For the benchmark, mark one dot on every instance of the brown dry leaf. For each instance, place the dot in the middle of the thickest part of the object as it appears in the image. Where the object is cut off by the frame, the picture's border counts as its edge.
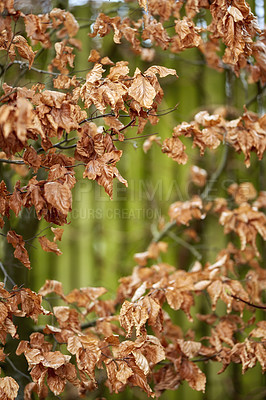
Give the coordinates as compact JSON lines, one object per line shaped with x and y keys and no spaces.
{"x":36,"y":27}
{"x":23,"y":48}
{"x":32,"y":158}
{"x":85,"y":296}
{"x":103,"y":169}
{"x":183,"y":212}
{"x":143,"y":4}
{"x":8,"y":388}
{"x":175,"y":149}
{"x":153,"y":252}
{"x":49,"y":246}
{"x":15,"y":200}
{"x":247,"y":222}
{"x":187,"y":35}
{"x":59,"y":17}
{"x":243,"y":192}
{"x":189,"y":348}
{"x":236,"y":26}
{"x":260,"y":201}
{"x":34,"y":387}
{"x":20,"y":252}
{"x":58,"y":196}
{"x":247,"y":134}
{"x":193,"y":375}
{"x":133,"y":315}
{"x":141,"y":90}
{"x":51,"y":286}
{"x":64,"y":57}
{"x":198,"y":175}
{"x":149,"y":141}
{"x":165,"y":378}
{"x":65,"y":82}
{"x":87,"y":357}
{"x":58,"y":232}
{"x":154,"y":31}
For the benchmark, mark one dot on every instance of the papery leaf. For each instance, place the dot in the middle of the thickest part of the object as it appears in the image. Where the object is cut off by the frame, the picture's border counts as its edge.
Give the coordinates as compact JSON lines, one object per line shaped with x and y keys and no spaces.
{"x":20,"y":252}
{"x":58,"y":196}
{"x":8,"y":388}
{"x":24,"y":50}
{"x":49,"y":246}
{"x":141,"y":90}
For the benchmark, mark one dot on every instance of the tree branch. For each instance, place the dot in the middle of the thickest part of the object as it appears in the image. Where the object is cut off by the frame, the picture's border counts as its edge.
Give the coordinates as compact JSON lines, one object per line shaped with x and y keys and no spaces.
{"x":17,"y":370}
{"x":6,"y":276}
{"x":216,"y":174}
{"x":185,"y":244}
{"x":247,"y":302}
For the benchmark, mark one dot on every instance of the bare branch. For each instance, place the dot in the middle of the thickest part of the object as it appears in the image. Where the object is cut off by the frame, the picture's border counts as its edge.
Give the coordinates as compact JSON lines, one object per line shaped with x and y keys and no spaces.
{"x":17,"y":370}
{"x":6,"y":276}
{"x":248,"y":303}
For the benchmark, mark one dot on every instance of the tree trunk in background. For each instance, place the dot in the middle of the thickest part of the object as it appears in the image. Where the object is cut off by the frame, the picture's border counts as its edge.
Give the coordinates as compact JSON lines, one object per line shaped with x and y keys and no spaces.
{"x":33,"y":6}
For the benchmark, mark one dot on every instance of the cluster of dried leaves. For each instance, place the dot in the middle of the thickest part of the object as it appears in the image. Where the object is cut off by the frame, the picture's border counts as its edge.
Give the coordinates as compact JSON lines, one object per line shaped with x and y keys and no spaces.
{"x":233,"y":25}
{"x":245,"y":134}
{"x":130,"y":340}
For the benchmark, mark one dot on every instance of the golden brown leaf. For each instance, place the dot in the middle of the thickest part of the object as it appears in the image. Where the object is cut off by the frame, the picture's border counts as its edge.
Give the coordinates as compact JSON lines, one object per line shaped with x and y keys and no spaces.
{"x":49,"y":246}
{"x":58,"y":196}
{"x":198,"y":175}
{"x":20,"y":252}
{"x":9,"y":387}
{"x":141,"y":90}
{"x":23,"y":48}
{"x":175,"y":149}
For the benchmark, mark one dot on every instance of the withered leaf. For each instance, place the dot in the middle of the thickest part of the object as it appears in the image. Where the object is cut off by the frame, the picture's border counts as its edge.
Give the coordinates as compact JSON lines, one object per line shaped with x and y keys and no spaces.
{"x":20,"y":252}
{"x":193,"y":375}
{"x":24,"y":50}
{"x":9,"y":387}
{"x":141,"y":90}
{"x":49,"y":246}
{"x":58,"y":196}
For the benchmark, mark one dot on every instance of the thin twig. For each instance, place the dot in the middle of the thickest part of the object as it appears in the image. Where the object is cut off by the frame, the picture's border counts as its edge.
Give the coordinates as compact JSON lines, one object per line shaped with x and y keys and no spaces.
{"x":17,"y":370}
{"x":8,"y":94}
{"x":183,"y":243}
{"x":216,"y":174}
{"x":25,"y":65}
{"x":135,"y":137}
{"x":7,"y":277}
{"x":248,"y":303}
{"x":127,"y":125}
{"x":206,"y":358}
{"x":165,"y":112}
{"x":4,"y":160}
{"x":110,"y":114}
{"x":164,"y":231}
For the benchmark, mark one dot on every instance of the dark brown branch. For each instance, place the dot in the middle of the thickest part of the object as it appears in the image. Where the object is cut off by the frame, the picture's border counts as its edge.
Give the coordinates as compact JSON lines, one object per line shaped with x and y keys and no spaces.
{"x":165,"y":112}
{"x":4,"y":160}
{"x":248,"y":303}
{"x":7,"y":95}
{"x":17,"y":370}
{"x":207,"y":358}
{"x":6,"y":276}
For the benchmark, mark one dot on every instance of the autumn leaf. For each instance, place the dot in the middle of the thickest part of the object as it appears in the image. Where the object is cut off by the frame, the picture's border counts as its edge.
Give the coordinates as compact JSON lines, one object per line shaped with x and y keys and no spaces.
{"x":141,"y":90}
{"x":20,"y":252}
{"x":49,"y":246}
{"x":8,"y":388}
{"x":58,"y":196}
{"x":24,"y":50}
